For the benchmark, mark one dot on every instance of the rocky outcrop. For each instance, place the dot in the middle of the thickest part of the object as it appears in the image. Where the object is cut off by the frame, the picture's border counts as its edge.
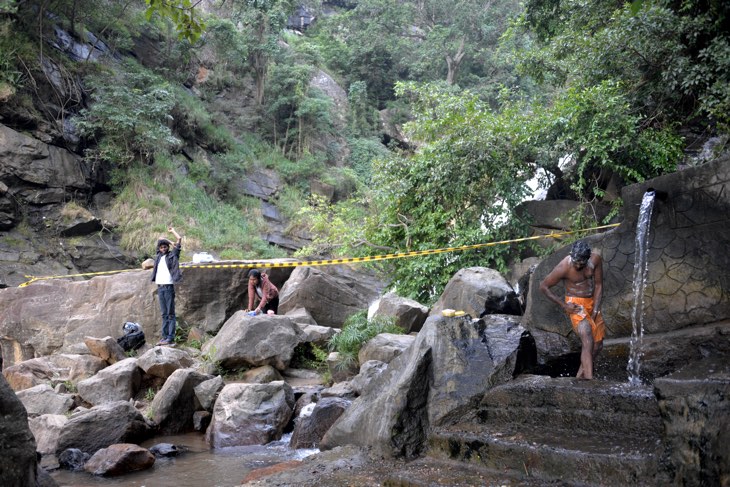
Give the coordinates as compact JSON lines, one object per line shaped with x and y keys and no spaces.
{"x":695,"y":408}
{"x":254,"y":340}
{"x":173,"y":406}
{"x":330,"y":294}
{"x":310,"y":429}
{"x":478,"y":291}
{"x":41,"y":399}
{"x":250,"y":414}
{"x":102,"y":426}
{"x":441,"y":377}
{"x":18,"y":464}
{"x":119,"y":459}
{"x":163,"y":361}
{"x":384,"y":347}
{"x":118,"y":382}
{"x":55,"y":315}
{"x":408,"y":314}
{"x":46,"y":429}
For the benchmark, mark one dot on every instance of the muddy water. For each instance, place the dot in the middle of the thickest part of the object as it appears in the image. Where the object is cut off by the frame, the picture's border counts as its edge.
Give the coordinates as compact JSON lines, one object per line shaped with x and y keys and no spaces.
{"x":199,"y":466}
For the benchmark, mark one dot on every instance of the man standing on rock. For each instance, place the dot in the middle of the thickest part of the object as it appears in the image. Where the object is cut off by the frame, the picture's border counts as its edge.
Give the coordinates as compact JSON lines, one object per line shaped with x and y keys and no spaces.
{"x":582,"y":275}
{"x":166,"y":274}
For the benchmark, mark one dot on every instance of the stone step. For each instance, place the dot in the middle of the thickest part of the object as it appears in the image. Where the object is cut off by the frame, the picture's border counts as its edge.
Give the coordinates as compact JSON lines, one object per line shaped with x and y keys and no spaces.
{"x":549,"y":454}
{"x":599,"y":407}
{"x":433,"y":472}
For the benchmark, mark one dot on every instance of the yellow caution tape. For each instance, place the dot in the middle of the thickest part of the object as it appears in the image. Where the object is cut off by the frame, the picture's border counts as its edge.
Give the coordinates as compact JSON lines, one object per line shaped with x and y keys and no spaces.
{"x":312,"y":263}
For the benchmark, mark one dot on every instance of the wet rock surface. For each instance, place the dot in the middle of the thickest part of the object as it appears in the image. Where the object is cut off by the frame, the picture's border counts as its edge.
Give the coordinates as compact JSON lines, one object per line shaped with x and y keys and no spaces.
{"x":695,"y":408}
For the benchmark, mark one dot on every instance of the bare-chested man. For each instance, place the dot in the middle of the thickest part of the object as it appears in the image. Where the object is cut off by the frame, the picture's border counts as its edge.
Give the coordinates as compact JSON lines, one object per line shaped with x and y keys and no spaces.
{"x":582,"y":275}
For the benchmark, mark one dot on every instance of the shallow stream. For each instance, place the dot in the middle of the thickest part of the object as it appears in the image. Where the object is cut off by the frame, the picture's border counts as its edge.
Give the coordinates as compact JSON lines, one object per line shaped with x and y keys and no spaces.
{"x":199,"y":466}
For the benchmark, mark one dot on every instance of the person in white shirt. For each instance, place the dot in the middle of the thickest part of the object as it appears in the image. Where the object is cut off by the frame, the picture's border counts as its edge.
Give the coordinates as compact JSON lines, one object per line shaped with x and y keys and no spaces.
{"x":166,"y":273}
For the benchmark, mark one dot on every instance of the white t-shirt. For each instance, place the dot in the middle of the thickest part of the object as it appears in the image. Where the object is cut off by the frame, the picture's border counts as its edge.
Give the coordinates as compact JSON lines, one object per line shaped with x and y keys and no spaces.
{"x":163,"y":273}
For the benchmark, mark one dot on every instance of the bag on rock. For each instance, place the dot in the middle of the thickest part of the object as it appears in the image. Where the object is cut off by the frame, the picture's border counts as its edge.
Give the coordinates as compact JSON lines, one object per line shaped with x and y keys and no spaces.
{"x":133,"y":337}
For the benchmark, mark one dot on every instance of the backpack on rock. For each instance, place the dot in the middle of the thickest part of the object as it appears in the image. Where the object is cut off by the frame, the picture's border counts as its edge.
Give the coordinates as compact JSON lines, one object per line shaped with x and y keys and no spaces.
{"x":133,"y":337}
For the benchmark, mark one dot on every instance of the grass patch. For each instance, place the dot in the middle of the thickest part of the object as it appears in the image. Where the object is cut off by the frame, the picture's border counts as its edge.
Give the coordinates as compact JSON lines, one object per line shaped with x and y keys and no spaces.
{"x":356,"y":331}
{"x":144,"y":211}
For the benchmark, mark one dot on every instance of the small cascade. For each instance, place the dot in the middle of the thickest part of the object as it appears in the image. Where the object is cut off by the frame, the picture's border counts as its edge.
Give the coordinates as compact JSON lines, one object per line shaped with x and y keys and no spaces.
{"x":641,"y":267}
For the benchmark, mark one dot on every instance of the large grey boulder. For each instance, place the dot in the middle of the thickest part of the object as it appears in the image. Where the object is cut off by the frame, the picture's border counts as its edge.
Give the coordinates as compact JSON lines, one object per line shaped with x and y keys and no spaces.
{"x":317,"y":335}
{"x":207,"y":391}
{"x":478,"y":291}
{"x":163,"y":361}
{"x":47,"y":429}
{"x":83,"y":366}
{"x":384,"y":347}
{"x":331,"y":294}
{"x":30,"y":373}
{"x":173,"y":406}
{"x":105,"y":348}
{"x":42,"y":399}
{"x":119,"y":459}
{"x":310,"y":429}
{"x":209,"y":296}
{"x":250,"y":414}
{"x":34,"y":164}
{"x":408,"y":313}
{"x":118,"y":382}
{"x":18,"y":464}
{"x":369,"y":371}
{"x":254,"y":340}
{"x":443,"y":375}
{"x":102,"y":426}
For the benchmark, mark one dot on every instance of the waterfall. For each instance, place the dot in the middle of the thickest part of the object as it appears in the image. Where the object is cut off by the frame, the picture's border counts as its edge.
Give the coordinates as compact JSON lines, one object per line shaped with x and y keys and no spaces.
{"x":641,"y":267}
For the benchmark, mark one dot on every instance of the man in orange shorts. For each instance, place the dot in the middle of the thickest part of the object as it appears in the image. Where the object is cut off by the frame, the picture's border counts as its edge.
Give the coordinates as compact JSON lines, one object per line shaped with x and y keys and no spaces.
{"x":582,"y":274}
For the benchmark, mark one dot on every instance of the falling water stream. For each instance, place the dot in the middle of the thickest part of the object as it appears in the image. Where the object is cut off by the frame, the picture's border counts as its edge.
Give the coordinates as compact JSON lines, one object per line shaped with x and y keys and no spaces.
{"x":641,"y":267}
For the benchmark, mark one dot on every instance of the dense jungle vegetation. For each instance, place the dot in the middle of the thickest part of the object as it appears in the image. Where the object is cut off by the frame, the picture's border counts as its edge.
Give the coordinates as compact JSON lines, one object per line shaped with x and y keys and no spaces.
{"x":580,"y":94}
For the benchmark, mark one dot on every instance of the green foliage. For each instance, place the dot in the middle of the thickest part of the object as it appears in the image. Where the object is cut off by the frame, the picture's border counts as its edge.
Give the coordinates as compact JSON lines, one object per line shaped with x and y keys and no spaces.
{"x":194,"y":123}
{"x":332,"y":225}
{"x":128,"y":116}
{"x":458,"y":189}
{"x":149,"y":395}
{"x":70,"y":387}
{"x":8,"y":7}
{"x":182,"y":14}
{"x":155,"y":197}
{"x":356,"y":331}
{"x":309,"y":356}
{"x":230,"y":44}
{"x":363,"y":151}
{"x":298,"y":112}
{"x":298,"y":173}
{"x":670,"y":57}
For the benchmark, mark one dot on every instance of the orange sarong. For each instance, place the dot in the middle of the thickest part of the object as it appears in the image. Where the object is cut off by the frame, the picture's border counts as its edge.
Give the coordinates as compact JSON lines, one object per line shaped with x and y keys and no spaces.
{"x":598,"y":326}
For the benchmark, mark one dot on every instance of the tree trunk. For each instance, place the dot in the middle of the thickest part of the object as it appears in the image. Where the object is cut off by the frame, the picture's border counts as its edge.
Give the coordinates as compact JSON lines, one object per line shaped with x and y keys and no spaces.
{"x":454,"y":63}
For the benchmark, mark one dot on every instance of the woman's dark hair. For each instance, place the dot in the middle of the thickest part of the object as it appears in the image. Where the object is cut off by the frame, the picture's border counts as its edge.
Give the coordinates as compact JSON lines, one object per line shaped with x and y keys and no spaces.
{"x":254,"y":273}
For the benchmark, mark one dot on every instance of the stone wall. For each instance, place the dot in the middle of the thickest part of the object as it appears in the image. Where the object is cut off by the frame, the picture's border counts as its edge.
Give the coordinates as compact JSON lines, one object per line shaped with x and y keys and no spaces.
{"x":687,"y":284}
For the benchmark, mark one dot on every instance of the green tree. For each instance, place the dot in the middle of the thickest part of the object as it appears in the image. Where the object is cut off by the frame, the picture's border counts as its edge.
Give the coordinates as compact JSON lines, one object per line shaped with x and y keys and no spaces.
{"x":128,"y":117}
{"x":262,"y":22}
{"x":671,"y":57}
{"x":459,"y":188}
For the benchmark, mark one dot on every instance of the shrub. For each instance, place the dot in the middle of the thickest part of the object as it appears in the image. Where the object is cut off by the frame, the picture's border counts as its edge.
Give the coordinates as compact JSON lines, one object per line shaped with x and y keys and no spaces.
{"x":356,"y":331}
